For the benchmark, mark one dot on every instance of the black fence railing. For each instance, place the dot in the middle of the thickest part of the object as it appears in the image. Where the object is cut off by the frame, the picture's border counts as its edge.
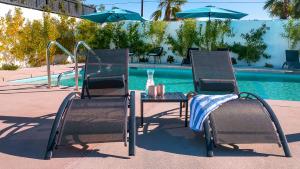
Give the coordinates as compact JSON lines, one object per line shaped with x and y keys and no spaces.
{"x":67,"y":7}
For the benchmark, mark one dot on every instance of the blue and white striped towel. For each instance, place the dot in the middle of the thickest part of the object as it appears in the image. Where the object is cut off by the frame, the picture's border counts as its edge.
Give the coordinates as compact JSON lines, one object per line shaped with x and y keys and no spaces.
{"x":202,"y":105}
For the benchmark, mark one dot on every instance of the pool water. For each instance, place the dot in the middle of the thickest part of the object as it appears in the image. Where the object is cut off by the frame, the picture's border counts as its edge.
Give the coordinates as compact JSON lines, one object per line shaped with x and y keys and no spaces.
{"x":276,"y":86}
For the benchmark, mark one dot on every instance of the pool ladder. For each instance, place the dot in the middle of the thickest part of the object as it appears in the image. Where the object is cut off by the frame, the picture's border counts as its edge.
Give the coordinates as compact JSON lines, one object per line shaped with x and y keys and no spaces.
{"x":73,"y":56}
{"x":60,"y":76}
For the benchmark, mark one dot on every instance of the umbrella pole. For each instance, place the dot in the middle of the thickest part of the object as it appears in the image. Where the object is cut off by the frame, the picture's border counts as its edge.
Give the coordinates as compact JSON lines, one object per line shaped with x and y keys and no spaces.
{"x":142,"y":8}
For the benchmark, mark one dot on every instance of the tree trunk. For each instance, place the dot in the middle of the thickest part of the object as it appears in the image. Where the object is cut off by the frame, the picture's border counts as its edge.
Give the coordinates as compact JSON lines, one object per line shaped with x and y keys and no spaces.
{"x":286,"y":9}
{"x":168,"y":12}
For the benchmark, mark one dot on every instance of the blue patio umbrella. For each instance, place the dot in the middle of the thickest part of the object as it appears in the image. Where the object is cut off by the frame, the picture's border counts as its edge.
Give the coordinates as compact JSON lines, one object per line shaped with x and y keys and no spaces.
{"x":210,"y":12}
{"x":113,"y":15}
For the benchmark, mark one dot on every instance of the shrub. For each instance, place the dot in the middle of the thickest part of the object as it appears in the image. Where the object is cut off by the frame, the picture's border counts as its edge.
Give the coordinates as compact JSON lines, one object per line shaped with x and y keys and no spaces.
{"x":136,"y":42}
{"x":254,"y":46}
{"x":292,"y":33}
{"x":212,"y":37}
{"x":120,"y":36}
{"x":94,"y":35}
{"x":156,"y":32}
{"x":86,"y":31}
{"x":22,"y":40}
{"x":9,"y":67}
{"x":186,"y":37}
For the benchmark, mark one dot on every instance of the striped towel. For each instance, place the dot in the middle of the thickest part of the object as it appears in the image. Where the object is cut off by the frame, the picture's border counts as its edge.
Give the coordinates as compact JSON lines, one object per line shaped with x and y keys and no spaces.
{"x":203,"y":105}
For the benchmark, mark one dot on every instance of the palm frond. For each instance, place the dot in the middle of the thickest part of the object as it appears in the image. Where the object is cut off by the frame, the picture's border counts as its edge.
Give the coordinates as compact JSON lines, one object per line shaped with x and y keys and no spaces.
{"x":156,"y":15}
{"x":179,"y":2}
{"x":174,"y":10}
{"x":167,"y":6}
{"x":269,"y":4}
{"x":162,"y":4}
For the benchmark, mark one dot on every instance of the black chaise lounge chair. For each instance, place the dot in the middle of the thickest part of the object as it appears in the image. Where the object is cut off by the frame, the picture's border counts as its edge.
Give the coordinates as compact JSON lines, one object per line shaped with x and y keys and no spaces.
{"x":292,"y":60}
{"x":100,"y":114}
{"x":156,"y":54}
{"x":248,"y":119}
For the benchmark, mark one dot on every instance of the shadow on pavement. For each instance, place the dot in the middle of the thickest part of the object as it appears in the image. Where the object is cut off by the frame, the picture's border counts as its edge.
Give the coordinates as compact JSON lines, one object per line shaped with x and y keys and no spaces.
{"x":165,"y":132}
{"x":28,"y":137}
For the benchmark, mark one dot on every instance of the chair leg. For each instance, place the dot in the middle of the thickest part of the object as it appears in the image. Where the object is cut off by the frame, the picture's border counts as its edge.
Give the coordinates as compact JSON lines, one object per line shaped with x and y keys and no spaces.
{"x":132,"y":125}
{"x":280,"y":132}
{"x":208,"y":140}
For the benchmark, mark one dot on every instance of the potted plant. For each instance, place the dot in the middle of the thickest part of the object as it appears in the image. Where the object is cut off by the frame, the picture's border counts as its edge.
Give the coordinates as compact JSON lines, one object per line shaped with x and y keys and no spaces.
{"x":170,"y":59}
{"x":292,"y":34}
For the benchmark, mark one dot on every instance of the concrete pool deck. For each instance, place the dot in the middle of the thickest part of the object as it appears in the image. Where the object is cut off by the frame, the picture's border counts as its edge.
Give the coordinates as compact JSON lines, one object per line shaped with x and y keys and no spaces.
{"x":27,"y":113}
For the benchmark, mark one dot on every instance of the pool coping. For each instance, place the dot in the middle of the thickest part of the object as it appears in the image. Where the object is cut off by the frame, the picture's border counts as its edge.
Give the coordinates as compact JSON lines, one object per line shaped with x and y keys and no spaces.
{"x":238,"y":68}
{"x":187,"y":67}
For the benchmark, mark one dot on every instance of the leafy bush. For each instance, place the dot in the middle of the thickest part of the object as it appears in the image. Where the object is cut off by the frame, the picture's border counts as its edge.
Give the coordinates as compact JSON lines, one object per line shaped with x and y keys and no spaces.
{"x":213,"y":36}
{"x":94,"y":35}
{"x":27,"y":41}
{"x":186,"y":37}
{"x":86,"y":31}
{"x":66,"y":27}
{"x":136,"y":42}
{"x":210,"y":37}
{"x":103,"y":37}
{"x":120,"y":37}
{"x":156,"y":32}
{"x":10,"y":33}
{"x":254,"y":46}
{"x":292,"y":33}
{"x":9,"y":67}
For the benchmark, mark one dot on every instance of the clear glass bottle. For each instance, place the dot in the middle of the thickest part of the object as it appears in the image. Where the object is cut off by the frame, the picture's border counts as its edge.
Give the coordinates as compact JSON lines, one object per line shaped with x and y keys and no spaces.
{"x":150,"y":80}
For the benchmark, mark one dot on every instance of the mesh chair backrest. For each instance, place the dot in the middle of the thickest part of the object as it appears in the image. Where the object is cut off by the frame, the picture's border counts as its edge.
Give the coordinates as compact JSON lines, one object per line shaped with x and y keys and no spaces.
{"x":292,"y":56}
{"x":214,"y":65}
{"x":107,"y":63}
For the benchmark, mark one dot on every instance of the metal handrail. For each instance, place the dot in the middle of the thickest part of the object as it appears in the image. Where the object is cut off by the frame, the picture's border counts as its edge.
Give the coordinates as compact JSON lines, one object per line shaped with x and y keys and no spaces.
{"x":48,"y":58}
{"x":76,"y":59}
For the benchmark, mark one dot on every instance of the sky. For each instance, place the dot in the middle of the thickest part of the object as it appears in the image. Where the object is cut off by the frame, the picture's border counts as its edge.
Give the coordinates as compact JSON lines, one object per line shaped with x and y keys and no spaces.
{"x":254,"y":9}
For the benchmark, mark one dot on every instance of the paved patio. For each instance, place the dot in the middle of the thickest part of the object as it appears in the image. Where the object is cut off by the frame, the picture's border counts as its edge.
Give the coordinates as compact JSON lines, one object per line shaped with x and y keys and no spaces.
{"x":27,"y":113}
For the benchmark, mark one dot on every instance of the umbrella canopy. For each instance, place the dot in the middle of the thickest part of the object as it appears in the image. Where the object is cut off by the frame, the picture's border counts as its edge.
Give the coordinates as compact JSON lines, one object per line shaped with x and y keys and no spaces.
{"x":210,"y":12}
{"x":113,"y":15}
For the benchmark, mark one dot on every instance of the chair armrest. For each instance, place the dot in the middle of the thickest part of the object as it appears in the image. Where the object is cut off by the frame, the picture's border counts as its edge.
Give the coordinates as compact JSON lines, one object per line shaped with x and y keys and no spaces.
{"x":283,"y":65}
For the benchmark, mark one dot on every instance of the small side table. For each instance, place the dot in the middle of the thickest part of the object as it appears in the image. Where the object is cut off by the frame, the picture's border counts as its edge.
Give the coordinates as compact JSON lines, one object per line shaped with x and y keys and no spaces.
{"x":168,"y":97}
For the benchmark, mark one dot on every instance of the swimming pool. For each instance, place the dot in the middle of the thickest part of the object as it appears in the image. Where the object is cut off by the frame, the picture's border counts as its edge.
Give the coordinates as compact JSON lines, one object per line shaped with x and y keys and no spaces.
{"x":276,"y":86}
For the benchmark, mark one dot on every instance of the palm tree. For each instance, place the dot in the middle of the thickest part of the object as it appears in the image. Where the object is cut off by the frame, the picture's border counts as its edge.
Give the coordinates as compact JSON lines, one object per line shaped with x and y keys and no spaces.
{"x":170,"y":7}
{"x":296,"y":9}
{"x":281,"y":8}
